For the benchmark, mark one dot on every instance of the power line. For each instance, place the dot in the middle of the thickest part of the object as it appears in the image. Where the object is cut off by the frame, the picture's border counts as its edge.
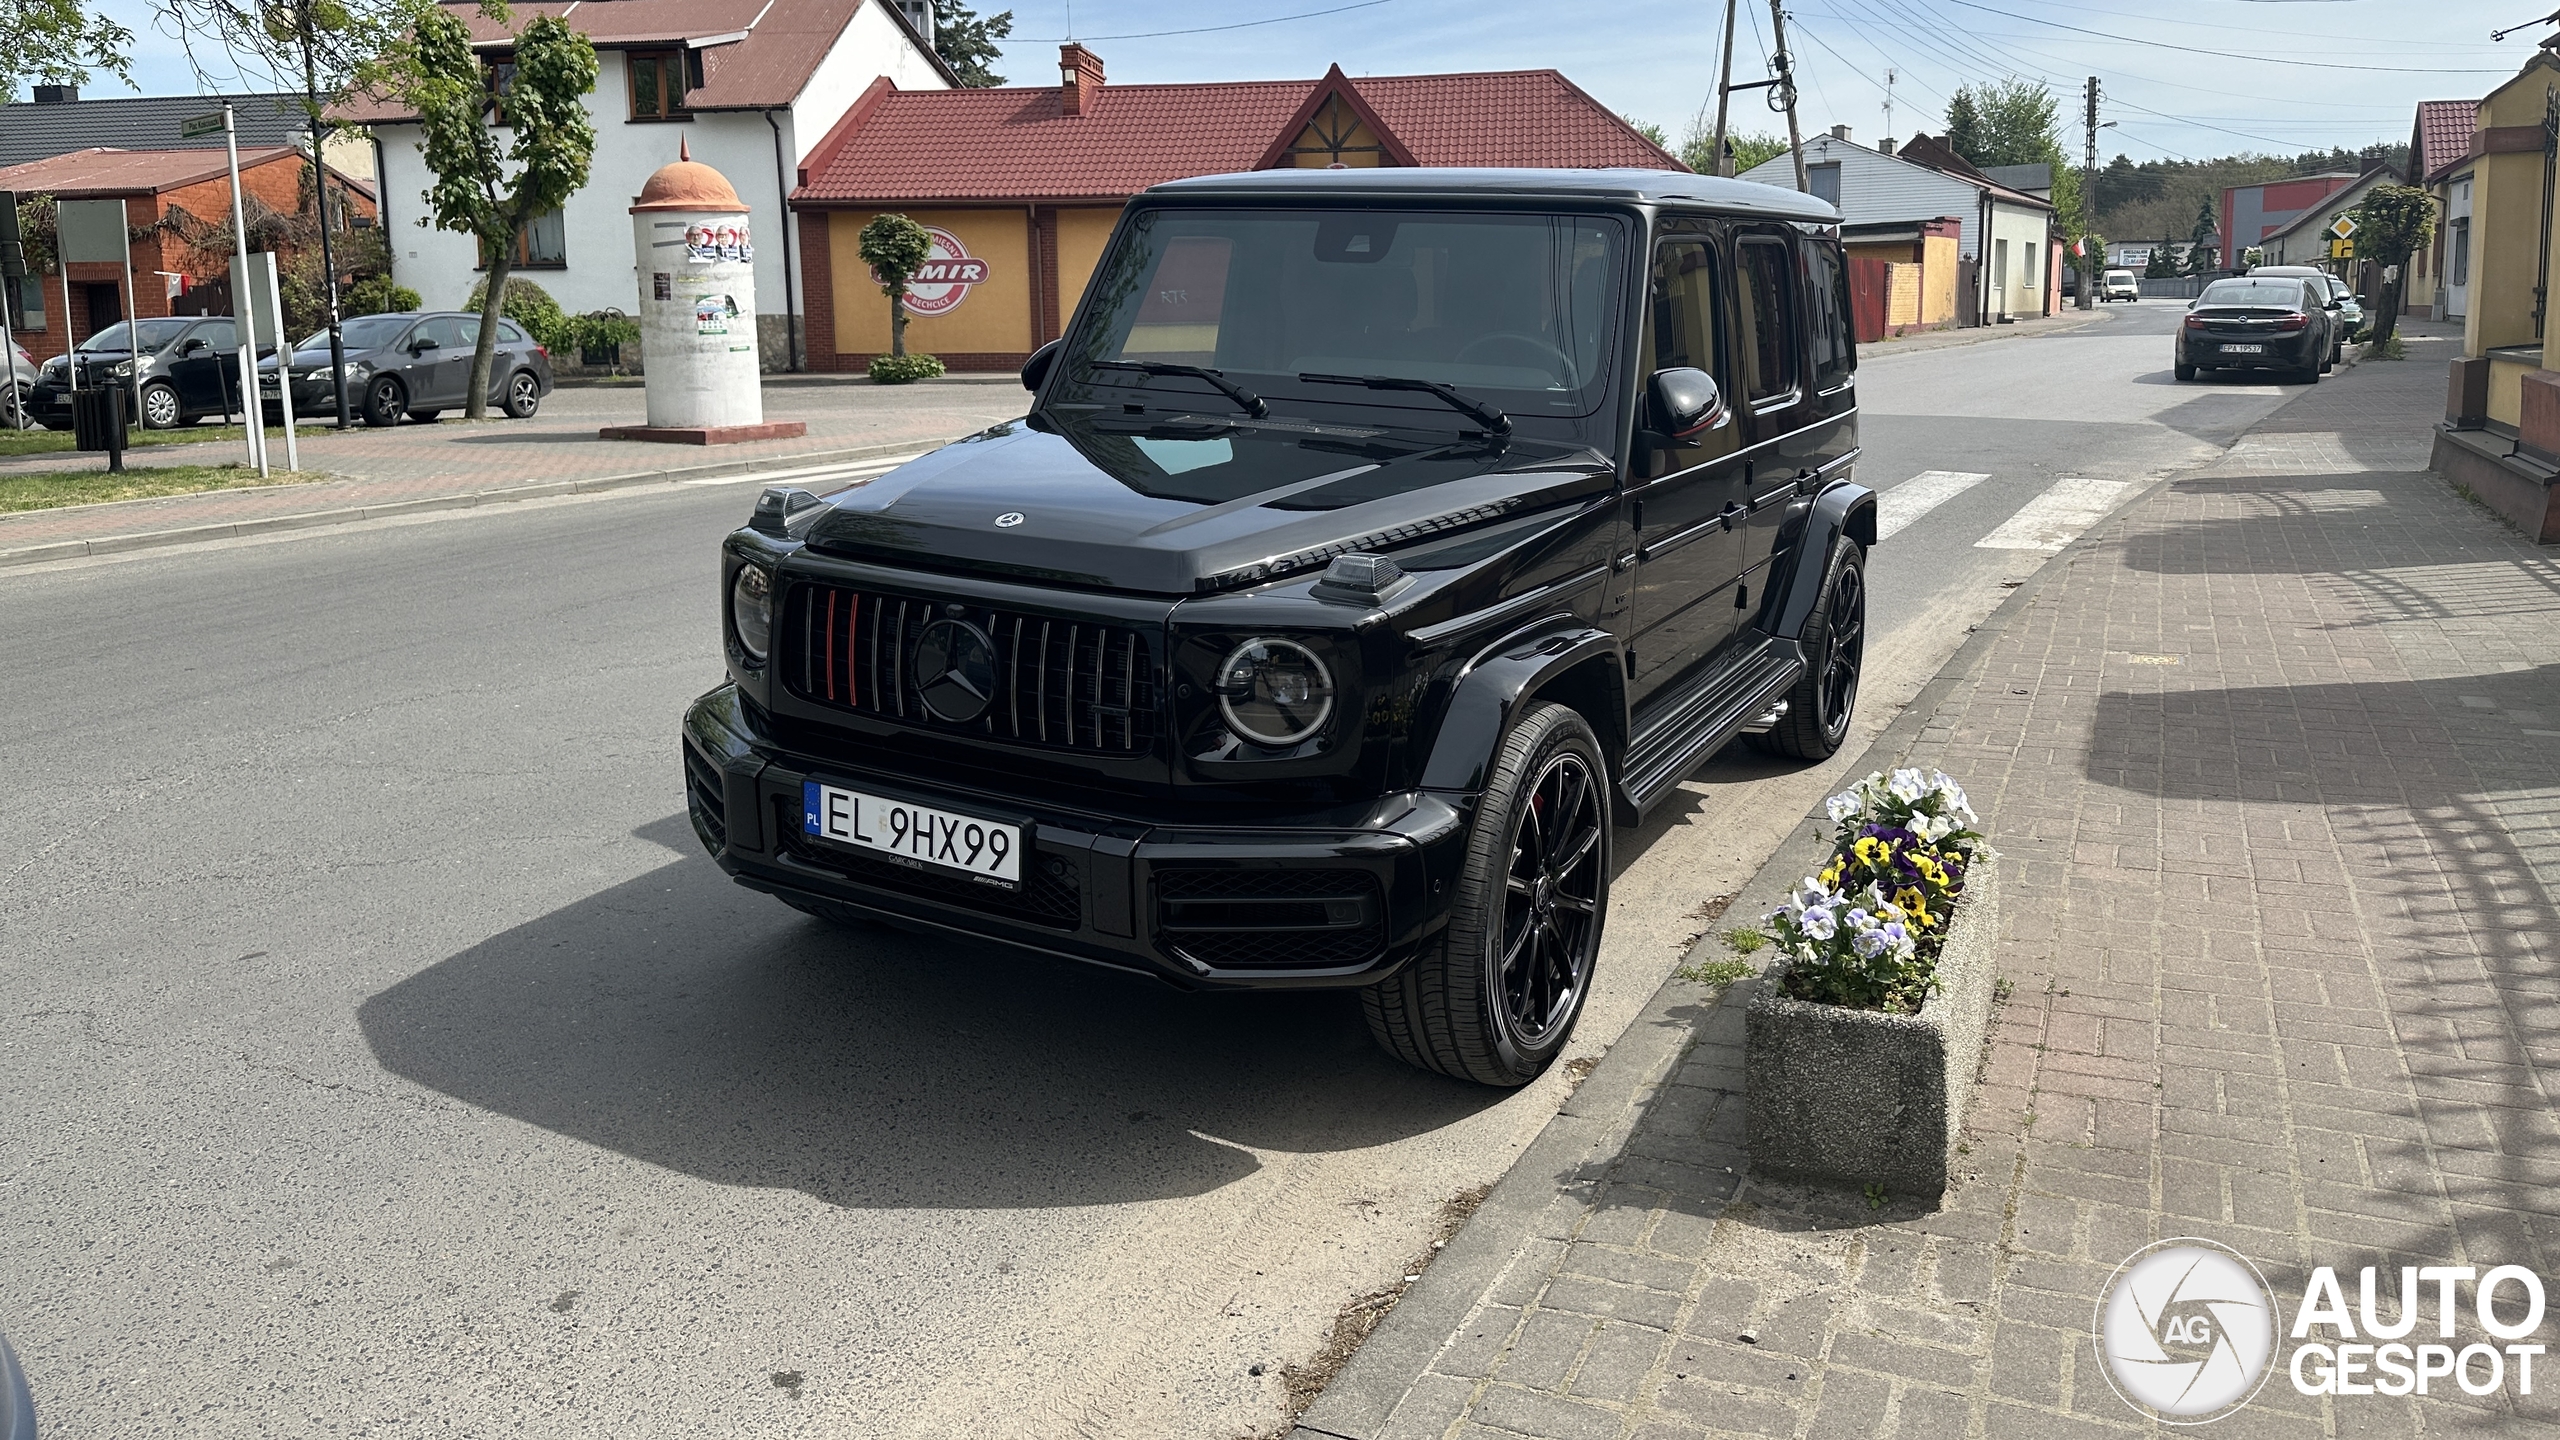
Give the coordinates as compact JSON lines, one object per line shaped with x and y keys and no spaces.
{"x":2224,"y":54}
{"x":2395,"y":42}
{"x":1203,"y":29}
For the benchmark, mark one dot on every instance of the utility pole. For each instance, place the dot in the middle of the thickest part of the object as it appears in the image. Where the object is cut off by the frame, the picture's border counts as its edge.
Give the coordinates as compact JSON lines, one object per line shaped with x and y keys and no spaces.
{"x":2089,"y":195}
{"x":1786,"y":87}
{"x":1724,"y":92}
{"x":328,"y":258}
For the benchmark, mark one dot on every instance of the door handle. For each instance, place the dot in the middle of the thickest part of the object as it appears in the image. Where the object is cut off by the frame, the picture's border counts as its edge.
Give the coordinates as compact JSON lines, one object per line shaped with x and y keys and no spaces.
{"x":1731,"y":509}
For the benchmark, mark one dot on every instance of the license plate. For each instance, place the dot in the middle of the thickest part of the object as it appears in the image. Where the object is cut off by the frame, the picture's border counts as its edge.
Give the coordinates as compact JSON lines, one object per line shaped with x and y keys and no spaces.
{"x":2244,"y":349}
{"x":916,"y":834}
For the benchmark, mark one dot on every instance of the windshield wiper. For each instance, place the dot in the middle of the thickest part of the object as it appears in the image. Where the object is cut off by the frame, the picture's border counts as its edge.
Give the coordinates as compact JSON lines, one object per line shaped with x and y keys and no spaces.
{"x":1252,"y":404}
{"x":1494,"y":421}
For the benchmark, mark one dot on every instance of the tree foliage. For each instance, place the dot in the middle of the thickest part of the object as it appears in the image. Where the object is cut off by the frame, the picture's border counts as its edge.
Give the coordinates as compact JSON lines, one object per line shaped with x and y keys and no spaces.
{"x":55,"y":42}
{"x":486,"y":186}
{"x":2013,"y":123}
{"x":2392,"y":221}
{"x":968,"y":44}
{"x":894,"y":246}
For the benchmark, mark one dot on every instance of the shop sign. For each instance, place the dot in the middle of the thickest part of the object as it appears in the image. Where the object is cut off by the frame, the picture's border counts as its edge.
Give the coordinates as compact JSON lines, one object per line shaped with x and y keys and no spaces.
{"x":943,"y":280}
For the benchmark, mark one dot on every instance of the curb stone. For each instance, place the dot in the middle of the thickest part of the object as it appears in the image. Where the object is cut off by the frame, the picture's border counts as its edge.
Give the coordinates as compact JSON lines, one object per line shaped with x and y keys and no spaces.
{"x":1537,"y":1200}
{"x":460,"y":500}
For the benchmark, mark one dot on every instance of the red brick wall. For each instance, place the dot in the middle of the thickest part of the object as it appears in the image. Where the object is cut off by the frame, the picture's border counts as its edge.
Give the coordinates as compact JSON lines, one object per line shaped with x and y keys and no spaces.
{"x":818,"y":292}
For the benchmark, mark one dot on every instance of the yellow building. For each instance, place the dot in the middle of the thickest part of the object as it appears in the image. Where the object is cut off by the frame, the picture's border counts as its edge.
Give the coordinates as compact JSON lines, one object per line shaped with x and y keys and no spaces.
{"x":1020,"y":186}
{"x":2502,"y":410}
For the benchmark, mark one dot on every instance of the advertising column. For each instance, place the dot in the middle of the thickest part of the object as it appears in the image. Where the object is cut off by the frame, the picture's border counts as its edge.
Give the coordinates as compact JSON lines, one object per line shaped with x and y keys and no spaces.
{"x":695,"y":251}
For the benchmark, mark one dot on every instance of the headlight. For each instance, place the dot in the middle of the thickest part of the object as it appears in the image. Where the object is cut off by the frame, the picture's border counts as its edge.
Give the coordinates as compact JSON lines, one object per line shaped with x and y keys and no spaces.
{"x":751,"y":609}
{"x":120,"y":369}
{"x":324,"y":372}
{"x":1274,"y":692}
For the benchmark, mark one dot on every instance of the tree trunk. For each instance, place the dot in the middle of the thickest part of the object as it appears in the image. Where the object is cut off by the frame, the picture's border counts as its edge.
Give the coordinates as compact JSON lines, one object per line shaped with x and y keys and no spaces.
{"x":476,"y":403}
{"x":898,"y":324}
{"x":2387,"y":324}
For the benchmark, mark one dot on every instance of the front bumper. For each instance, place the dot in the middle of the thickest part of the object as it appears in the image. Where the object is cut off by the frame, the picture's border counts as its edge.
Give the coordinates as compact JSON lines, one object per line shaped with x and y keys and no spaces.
{"x":1281,"y":903}
{"x":310,"y":397}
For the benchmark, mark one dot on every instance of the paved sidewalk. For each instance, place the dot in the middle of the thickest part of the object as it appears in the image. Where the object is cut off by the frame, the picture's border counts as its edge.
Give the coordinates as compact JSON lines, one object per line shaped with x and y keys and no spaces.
{"x":2274,"y":759}
{"x":449,"y":463}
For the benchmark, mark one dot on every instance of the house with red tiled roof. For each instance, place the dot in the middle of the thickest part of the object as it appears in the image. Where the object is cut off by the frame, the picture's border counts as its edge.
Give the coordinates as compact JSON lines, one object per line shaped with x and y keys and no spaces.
{"x":749,"y":85}
{"x":2440,"y":154}
{"x":172,"y":199}
{"x":1020,"y":186}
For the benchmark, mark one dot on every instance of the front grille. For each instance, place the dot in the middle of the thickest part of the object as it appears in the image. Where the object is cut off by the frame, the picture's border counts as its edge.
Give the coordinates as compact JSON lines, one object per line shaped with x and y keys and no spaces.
{"x":1045,"y":897}
{"x":1266,"y":919}
{"x":707,"y":795}
{"x":1065,"y":684}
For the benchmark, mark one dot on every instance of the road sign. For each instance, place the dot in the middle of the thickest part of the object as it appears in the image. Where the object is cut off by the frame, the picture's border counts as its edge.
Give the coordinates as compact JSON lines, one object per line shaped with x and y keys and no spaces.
{"x":2342,"y":249}
{"x":196,"y":127}
{"x":2343,"y":228}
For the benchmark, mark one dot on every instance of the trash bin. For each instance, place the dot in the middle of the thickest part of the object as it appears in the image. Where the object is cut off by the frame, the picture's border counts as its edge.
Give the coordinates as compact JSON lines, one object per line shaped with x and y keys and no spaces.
{"x":97,"y":423}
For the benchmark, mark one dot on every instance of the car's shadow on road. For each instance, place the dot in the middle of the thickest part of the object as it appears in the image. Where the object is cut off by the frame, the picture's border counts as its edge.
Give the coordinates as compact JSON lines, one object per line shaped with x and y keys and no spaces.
{"x":686,"y":1022}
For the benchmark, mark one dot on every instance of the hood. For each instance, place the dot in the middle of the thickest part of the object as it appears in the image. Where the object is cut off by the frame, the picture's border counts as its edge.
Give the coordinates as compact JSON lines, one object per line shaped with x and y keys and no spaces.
{"x":1183,"y":507}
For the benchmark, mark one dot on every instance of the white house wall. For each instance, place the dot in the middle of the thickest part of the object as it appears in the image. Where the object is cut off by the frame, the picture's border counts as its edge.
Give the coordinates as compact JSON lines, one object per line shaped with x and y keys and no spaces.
{"x":1878,"y":189}
{"x":849,"y":70}
{"x":2029,"y":256}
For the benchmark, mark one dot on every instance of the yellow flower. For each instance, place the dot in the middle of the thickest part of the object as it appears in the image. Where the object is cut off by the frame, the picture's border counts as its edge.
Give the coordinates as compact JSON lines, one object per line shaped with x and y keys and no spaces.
{"x":1831,"y":873}
{"x":1871,"y":852}
{"x":1913,"y":903}
{"x":1929,"y":868}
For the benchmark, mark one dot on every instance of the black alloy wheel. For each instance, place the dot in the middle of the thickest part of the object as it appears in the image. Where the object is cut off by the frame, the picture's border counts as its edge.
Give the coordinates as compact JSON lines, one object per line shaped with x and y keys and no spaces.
{"x":1834,"y":640}
{"x":524,"y":395}
{"x":160,"y":407}
{"x":1494,"y":997}
{"x":384,"y":399}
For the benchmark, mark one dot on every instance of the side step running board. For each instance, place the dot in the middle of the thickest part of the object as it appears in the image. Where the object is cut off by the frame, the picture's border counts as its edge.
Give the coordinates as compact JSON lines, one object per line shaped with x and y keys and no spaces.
{"x":1742,"y":697}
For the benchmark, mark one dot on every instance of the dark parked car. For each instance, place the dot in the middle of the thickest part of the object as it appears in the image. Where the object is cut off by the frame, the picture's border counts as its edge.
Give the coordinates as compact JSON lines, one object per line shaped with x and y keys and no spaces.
{"x":1376,"y":541}
{"x":2347,"y":314}
{"x":190,"y":370}
{"x":413,"y":364}
{"x":2259,"y":322}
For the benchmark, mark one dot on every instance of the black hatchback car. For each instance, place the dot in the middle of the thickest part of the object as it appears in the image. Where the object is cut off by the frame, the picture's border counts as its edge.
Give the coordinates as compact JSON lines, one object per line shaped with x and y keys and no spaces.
{"x":2259,"y":322}
{"x":414,"y":364}
{"x":190,"y":370}
{"x":1377,"y":542}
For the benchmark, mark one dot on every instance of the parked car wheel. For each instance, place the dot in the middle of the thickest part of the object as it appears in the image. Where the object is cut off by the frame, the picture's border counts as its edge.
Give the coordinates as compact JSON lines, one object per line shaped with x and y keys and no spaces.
{"x":1496,"y":996}
{"x":2184,"y":371}
{"x":160,"y":407}
{"x":524,"y":395}
{"x":2309,"y":374}
{"x":384,"y":399}
{"x":1835,"y":648}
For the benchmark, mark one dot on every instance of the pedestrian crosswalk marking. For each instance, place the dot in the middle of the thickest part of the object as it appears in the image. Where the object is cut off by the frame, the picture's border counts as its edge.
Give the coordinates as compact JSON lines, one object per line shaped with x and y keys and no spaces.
{"x":1918,"y":496}
{"x":2056,"y":517}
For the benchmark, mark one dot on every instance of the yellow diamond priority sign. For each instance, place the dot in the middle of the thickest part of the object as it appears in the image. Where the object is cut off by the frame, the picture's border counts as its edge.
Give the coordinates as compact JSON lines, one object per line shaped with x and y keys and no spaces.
{"x":2344,"y":227}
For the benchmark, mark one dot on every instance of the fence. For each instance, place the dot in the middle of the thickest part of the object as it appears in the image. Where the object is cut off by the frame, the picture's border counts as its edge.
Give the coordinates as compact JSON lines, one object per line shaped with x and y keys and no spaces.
{"x":2175,"y":287}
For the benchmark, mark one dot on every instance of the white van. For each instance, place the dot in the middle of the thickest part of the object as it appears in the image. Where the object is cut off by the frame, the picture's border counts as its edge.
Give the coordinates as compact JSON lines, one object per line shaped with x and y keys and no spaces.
{"x":2118,"y":285}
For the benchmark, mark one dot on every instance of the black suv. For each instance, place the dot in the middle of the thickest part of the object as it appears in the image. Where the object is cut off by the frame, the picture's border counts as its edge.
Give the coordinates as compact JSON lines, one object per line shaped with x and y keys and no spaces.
{"x":1375,"y":541}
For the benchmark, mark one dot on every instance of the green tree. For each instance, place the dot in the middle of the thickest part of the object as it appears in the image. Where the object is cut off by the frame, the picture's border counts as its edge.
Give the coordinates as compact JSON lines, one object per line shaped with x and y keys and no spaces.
{"x":487,"y":187}
{"x":893,"y":246}
{"x":55,"y":42}
{"x":2392,"y":221}
{"x":968,"y":44}
{"x":1698,"y":151}
{"x":2199,"y":255}
{"x":1646,"y":128}
{"x":2164,"y":261}
{"x":1964,"y":124}
{"x":2014,"y":123}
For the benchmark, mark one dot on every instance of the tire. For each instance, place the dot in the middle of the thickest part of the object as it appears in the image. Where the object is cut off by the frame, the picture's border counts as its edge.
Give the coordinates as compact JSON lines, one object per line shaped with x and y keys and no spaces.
{"x":384,"y":399}
{"x":1822,"y":703}
{"x":425,"y":417}
{"x":524,"y":395}
{"x":2184,"y":371}
{"x":161,"y":408}
{"x":2309,"y":374}
{"x":1494,"y":997}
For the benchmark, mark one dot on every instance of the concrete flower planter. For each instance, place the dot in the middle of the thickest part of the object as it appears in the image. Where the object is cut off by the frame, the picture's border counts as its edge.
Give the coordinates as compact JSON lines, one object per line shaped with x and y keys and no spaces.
{"x":1858,"y":1097}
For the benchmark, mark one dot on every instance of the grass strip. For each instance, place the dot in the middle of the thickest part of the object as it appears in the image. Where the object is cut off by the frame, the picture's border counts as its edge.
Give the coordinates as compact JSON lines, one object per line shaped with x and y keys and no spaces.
{"x":47,"y":489}
{"x":49,"y":442}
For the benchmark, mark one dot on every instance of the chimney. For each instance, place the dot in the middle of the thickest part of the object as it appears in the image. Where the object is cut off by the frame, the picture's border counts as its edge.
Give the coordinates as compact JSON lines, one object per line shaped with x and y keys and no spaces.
{"x":1885,"y":146}
{"x":55,"y":94}
{"x":1839,"y":132}
{"x":1079,"y":77}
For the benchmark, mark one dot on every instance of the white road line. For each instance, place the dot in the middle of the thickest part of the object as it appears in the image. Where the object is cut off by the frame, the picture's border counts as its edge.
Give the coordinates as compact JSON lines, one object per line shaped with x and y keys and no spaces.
{"x":2056,"y":517}
{"x":1918,"y":496}
{"x":861,"y":469}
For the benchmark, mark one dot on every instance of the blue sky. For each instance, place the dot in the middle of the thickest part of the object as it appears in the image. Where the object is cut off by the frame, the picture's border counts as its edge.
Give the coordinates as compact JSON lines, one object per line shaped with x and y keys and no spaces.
{"x":2273,"y":80}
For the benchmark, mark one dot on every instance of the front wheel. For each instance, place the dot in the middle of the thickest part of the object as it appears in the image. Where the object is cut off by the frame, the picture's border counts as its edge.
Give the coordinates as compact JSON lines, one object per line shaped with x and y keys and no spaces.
{"x":383,"y":402}
{"x":524,"y":395}
{"x":1835,"y":654}
{"x":160,"y":407}
{"x":1495,"y":997}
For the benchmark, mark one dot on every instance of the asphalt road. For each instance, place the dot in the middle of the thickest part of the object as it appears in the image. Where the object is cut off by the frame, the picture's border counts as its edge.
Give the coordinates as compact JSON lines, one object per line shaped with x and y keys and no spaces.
{"x":379,"y":1055}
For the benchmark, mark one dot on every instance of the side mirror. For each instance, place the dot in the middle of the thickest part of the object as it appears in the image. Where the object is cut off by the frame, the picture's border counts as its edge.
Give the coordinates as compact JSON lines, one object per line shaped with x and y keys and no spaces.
{"x":192,"y":346}
{"x":1684,"y":404}
{"x":421,"y":346}
{"x":1036,"y":369}
{"x":2337,"y":304}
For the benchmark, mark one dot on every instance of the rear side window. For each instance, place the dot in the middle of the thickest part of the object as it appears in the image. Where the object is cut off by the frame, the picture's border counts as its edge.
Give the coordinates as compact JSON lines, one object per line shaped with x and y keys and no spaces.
{"x":508,"y":332}
{"x":1828,"y":294}
{"x":1684,"y":308}
{"x":1768,"y":319}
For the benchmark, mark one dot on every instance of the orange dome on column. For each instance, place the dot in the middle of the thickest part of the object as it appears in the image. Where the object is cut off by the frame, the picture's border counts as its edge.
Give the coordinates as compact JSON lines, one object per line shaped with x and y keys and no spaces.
{"x":688,"y":184}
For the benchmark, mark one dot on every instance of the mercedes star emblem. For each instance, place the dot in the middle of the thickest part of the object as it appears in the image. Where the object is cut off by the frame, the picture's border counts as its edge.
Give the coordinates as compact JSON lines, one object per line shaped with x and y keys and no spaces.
{"x":1008,"y":519}
{"x":956,"y":670}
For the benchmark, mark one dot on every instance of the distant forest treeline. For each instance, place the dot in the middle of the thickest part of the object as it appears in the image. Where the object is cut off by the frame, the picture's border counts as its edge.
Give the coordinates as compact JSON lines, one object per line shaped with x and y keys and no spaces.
{"x":2158,"y":199}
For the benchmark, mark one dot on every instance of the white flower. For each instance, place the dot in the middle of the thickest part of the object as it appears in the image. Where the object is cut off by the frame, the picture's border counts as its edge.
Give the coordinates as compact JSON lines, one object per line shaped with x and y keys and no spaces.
{"x":1843,"y":807}
{"x":1810,"y":893}
{"x":1819,"y":923}
{"x":1932,"y":828}
{"x":1907,"y":786}
{"x":1869,"y":944}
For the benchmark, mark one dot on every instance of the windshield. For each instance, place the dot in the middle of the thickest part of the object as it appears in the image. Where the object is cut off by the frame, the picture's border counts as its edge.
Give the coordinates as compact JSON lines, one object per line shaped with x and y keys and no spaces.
{"x":2119,"y":275}
{"x":1516,"y":311}
{"x":364,"y":332}
{"x":2283,"y":294}
{"x":156,"y":335}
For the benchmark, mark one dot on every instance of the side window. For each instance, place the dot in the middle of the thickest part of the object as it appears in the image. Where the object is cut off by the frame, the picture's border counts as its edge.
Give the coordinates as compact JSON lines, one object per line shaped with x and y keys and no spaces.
{"x":1684,"y":307}
{"x":219,"y":336}
{"x":1768,"y":319}
{"x":1825,"y":180}
{"x":508,"y":332}
{"x":443,"y":330}
{"x":1828,"y":294}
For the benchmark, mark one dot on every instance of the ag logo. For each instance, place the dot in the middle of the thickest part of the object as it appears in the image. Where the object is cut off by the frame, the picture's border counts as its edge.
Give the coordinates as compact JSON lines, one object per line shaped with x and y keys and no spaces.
{"x":1008,"y":519}
{"x":956,"y":670}
{"x":2187,"y":1330}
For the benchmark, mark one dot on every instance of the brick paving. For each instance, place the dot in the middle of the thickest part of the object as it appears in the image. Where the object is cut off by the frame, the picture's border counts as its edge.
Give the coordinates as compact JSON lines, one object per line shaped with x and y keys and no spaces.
{"x":2274,"y":759}
{"x":421,"y":466}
